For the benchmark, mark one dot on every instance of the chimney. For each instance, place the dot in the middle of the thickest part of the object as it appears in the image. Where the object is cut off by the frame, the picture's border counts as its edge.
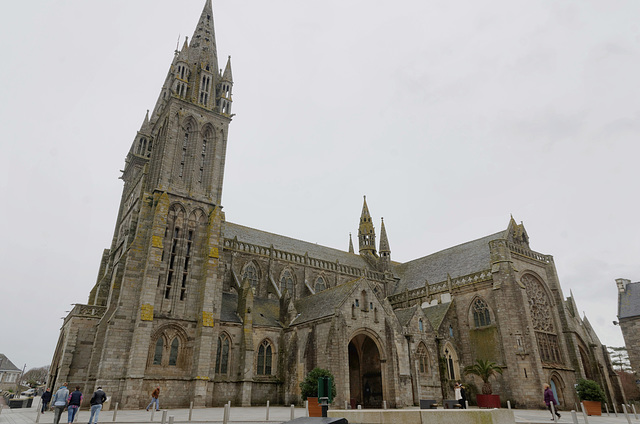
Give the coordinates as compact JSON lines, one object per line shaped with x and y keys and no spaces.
{"x":622,"y":284}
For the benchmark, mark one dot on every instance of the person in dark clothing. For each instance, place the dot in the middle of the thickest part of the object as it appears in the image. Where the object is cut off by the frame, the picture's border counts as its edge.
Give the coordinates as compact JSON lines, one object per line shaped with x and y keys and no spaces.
{"x":463,"y":397}
{"x":550,"y":399}
{"x":46,"y":398}
{"x":75,"y":399}
{"x":98,"y":398}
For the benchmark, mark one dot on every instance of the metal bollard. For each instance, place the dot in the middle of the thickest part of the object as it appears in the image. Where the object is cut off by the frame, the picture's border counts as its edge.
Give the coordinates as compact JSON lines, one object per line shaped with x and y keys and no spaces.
{"x":606,"y":406}
{"x":384,"y":404}
{"x":190,"y":410}
{"x":164,"y":416}
{"x":293,"y":412}
{"x":466,"y":404}
{"x":346,"y":404}
{"x":225,"y":415}
{"x":171,"y":419}
{"x":267,"y":418}
{"x":359,"y":406}
{"x":508,"y":404}
{"x":115,"y":412}
{"x":574,"y":416}
{"x":153,"y":411}
{"x":584,"y":413}
{"x":38,"y":411}
{"x":228,"y":410}
{"x":635,"y":414}
{"x":624,"y":409}
{"x":75,"y":417}
{"x":306,"y":408}
{"x":615,"y":410}
{"x":553,"y":412}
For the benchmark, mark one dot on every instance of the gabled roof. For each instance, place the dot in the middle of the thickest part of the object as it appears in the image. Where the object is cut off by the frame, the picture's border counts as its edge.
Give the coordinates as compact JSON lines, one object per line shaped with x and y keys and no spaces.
{"x":288,"y":244}
{"x":456,"y":261}
{"x":6,"y":364}
{"x":629,"y":301}
{"x":436,"y":313}
{"x":266,"y":312}
{"x":324,"y":303}
{"x":405,"y":314}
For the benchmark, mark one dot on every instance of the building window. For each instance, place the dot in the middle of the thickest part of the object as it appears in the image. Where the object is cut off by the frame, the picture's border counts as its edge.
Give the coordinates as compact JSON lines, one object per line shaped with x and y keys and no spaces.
{"x":320,"y":285}
{"x":286,"y":282}
{"x":157,"y":356}
{"x":185,"y":142}
{"x":542,"y":320}
{"x":421,"y":357}
{"x":481,"y":316}
{"x":420,"y":325}
{"x":264,"y":358}
{"x":222,"y":354}
{"x":173,"y":354}
{"x":451,"y":362}
{"x":251,"y":274}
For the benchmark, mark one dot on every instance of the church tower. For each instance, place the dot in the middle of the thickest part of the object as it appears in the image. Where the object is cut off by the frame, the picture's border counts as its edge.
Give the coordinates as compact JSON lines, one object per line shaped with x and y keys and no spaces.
{"x":366,"y":232}
{"x":385,"y":250}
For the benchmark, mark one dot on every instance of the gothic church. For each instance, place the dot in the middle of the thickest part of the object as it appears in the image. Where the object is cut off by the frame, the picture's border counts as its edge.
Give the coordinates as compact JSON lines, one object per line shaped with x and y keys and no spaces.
{"x":211,"y":310}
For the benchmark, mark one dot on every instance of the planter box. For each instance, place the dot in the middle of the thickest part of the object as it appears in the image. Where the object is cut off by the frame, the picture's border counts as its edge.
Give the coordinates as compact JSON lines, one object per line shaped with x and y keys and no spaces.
{"x":488,"y":401}
{"x":592,"y":407}
{"x":315,"y":410}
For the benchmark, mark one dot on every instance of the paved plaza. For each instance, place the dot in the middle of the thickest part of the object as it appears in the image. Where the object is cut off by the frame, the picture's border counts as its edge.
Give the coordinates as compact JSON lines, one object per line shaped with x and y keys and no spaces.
{"x":254,"y":415}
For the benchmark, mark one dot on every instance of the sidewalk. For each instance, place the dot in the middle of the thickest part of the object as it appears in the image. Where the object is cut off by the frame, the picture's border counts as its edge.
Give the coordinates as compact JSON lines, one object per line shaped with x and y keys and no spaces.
{"x":257,"y":414}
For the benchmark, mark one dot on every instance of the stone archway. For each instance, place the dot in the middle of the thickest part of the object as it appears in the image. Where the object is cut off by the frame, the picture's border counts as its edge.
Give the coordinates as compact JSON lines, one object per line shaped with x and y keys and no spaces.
{"x":365,"y":372}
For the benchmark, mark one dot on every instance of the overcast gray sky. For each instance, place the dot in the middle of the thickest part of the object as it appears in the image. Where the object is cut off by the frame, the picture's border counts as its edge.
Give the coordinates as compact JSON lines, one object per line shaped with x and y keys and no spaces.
{"x":448,"y":115}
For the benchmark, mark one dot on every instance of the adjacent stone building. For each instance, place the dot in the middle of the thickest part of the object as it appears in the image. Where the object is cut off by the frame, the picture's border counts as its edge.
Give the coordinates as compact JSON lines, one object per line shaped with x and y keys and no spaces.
{"x":9,"y":374}
{"x":213,"y":311}
{"x":629,"y":320}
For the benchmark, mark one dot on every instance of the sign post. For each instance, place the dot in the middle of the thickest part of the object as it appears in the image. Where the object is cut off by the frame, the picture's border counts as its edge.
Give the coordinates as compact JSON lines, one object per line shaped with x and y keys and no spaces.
{"x":324,"y":393}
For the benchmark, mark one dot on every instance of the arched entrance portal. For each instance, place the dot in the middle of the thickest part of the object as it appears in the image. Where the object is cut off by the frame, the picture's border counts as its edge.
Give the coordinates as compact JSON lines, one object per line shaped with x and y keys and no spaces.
{"x":365,"y":374}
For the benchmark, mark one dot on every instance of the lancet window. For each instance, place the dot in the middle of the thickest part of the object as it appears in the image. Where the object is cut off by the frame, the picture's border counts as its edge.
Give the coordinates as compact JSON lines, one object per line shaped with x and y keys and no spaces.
{"x":481,"y":315}
{"x":264,"y":358}
{"x":222,"y":354}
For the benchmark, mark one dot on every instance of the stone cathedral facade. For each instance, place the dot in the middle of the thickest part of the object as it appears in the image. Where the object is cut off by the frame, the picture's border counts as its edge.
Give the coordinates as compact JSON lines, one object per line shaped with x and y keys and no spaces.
{"x":211,"y":311}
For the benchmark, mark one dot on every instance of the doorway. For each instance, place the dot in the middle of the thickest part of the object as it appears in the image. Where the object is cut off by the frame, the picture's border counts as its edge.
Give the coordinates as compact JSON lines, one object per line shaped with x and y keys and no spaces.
{"x":365,"y":372}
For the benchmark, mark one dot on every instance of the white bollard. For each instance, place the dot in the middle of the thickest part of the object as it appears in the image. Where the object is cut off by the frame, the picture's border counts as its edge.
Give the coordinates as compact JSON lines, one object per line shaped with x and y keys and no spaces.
{"x":293,"y":412}
{"x":624,"y":409}
{"x":466,"y":404}
{"x":635,"y":414}
{"x":508,"y":404}
{"x":384,"y":404}
{"x":75,"y":417}
{"x":267,"y":418}
{"x":171,"y":419}
{"x":615,"y":410}
{"x":190,"y":409}
{"x":553,"y":412}
{"x":346,"y":404}
{"x":153,"y":411}
{"x":574,"y":416}
{"x":115,"y":412}
{"x":228,"y":410}
{"x":306,"y":408}
{"x":38,"y":411}
{"x":584,"y":413}
{"x":225,"y":414}
{"x":359,"y":406}
{"x":606,"y":406}
{"x":164,"y":416}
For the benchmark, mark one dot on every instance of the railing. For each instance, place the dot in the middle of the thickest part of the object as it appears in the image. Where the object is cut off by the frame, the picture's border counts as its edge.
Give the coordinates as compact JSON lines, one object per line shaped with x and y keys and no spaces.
{"x":86,"y":311}
{"x":519,"y":250}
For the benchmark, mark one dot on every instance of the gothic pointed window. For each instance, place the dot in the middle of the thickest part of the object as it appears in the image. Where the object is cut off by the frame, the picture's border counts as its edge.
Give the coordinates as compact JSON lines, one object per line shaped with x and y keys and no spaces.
{"x":251,"y":274}
{"x":222,"y":354}
{"x":157,"y":356}
{"x":542,"y":320}
{"x":481,"y":316}
{"x":173,"y":354}
{"x":320,"y":285}
{"x":420,"y":325}
{"x":421,"y":357}
{"x":264,"y":358}
{"x":451,"y":362}
{"x":286,"y":282}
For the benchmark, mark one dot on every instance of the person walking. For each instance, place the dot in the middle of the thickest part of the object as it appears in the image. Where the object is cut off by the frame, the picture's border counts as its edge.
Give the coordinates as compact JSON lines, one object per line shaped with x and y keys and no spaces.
{"x":59,"y":402}
{"x":75,"y":399}
{"x":155,"y":399}
{"x":463,"y":397}
{"x":550,"y":399}
{"x":46,"y":398}
{"x":99,"y":397}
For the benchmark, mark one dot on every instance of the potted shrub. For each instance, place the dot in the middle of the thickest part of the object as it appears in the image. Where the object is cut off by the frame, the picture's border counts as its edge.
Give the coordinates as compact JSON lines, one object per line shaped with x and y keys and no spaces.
{"x":591,"y":395}
{"x":309,"y":390}
{"x":485,"y":369}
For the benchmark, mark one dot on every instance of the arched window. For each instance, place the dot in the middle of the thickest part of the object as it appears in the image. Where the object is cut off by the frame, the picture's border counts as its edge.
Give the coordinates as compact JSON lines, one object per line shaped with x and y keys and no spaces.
{"x":421,"y":357}
{"x":173,"y":354}
{"x":481,"y":316}
{"x":264,"y":358}
{"x":222,"y":355}
{"x":251,"y":274}
{"x":286,"y":282}
{"x":451,"y":361}
{"x":541,"y":311}
{"x":320,"y":285}
{"x":157,"y":356}
{"x":420,"y":325}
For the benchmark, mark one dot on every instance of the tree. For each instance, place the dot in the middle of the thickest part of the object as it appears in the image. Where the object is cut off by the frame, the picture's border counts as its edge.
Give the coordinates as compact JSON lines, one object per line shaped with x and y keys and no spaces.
{"x":590,"y":390}
{"x":485,"y":370}
{"x":36,"y":376}
{"x":309,"y":387}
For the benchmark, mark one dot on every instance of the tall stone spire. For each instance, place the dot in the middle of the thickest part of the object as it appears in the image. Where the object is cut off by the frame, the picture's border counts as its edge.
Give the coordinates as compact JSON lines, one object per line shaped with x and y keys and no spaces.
{"x":366,"y":232}
{"x":385,"y":251}
{"x":202,"y":49}
{"x":351,"y":244}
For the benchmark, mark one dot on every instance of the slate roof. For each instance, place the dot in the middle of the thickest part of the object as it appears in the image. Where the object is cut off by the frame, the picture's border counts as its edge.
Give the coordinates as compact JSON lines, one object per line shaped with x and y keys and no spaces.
{"x":458,"y":261}
{"x":405,"y":314}
{"x":323,"y":304}
{"x":288,"y":244}
{"x":629,"y":301}
{"x":436,"y":313}
{"x":266,"y":312}
{"x":6,"y":364}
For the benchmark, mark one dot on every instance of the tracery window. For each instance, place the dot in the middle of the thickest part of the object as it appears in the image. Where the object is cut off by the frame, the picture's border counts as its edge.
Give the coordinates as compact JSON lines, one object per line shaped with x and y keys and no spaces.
{"x":421,"y":357}
{"x":264,"y":358}
{"x":168,"y":348}
{"x":157,"y":356}
{"x":481,"y":316}
{"x":222,"y":354}
{"x":251,"y":274}
{"x":541,"y":317}
{"x":286,"y":282}
{"x":320,"y":285}
{"x":173,"y":354}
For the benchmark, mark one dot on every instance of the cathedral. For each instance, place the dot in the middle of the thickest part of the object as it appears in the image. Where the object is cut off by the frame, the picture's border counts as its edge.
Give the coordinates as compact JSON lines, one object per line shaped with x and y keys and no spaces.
{"x":214,"y":311}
